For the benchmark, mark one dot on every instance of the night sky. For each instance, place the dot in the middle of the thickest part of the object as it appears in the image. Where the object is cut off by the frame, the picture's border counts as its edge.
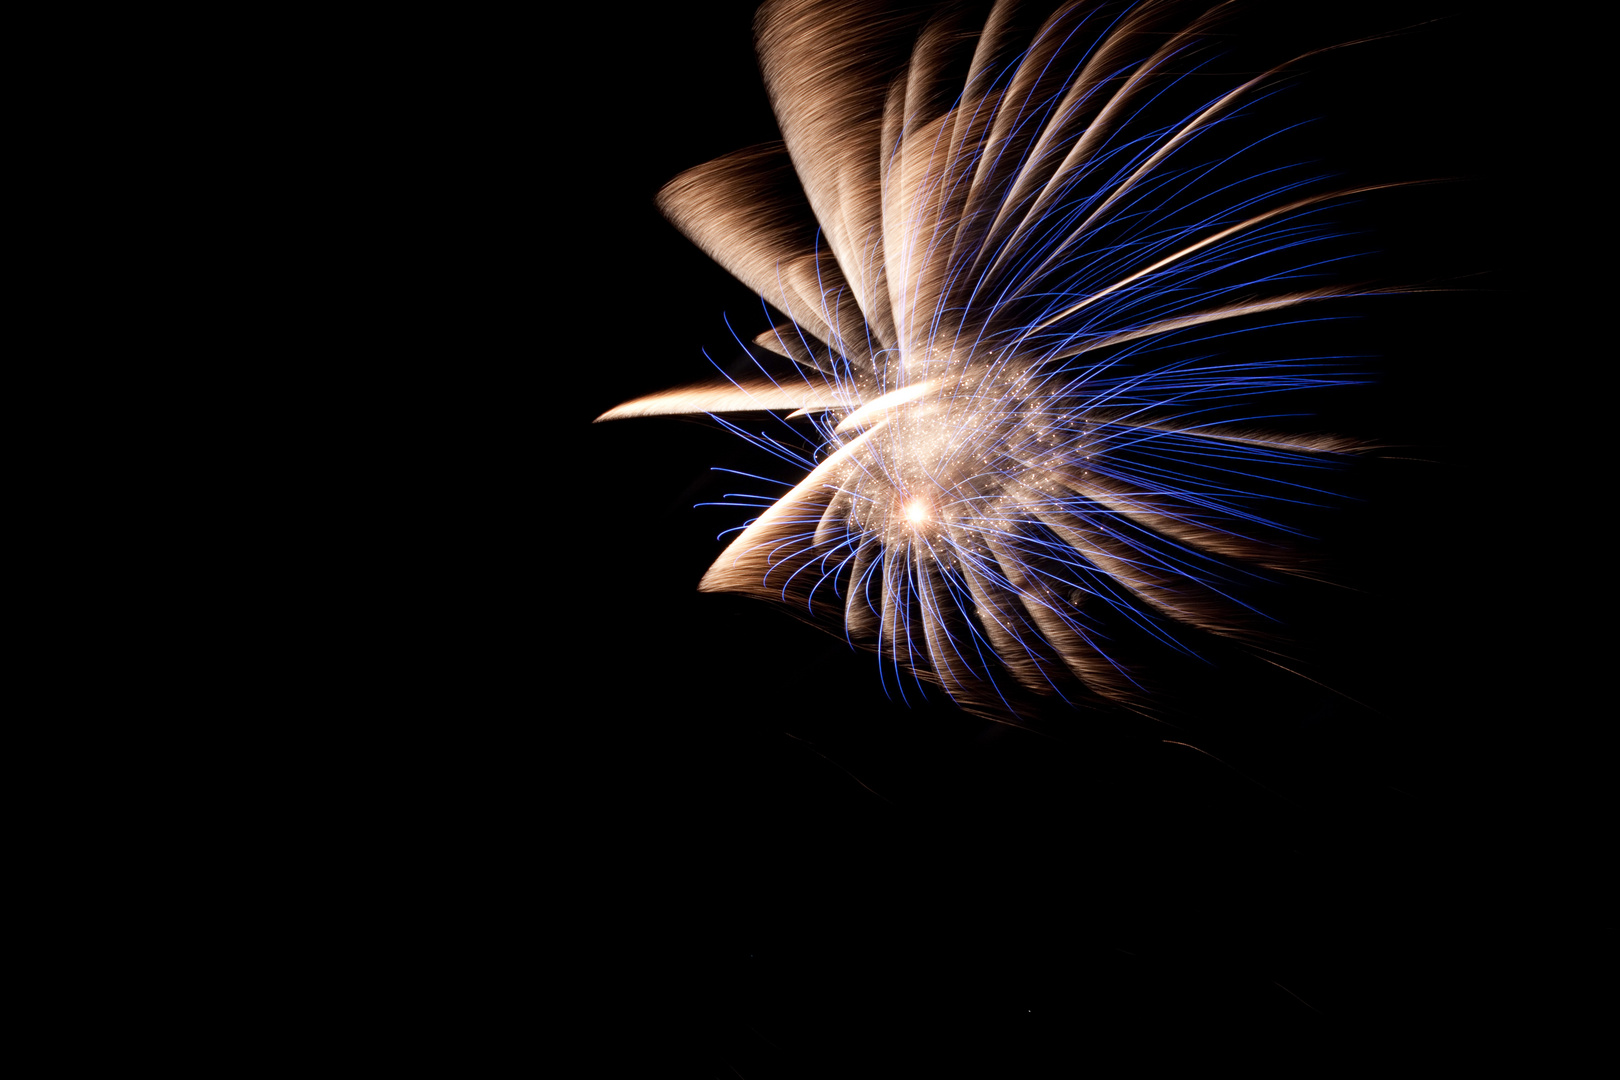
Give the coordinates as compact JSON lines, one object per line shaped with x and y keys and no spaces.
{"x":786,"y":870}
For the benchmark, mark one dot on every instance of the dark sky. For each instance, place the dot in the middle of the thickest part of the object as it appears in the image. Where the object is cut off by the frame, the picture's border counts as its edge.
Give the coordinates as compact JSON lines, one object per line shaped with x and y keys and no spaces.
{"x":789,"y":872}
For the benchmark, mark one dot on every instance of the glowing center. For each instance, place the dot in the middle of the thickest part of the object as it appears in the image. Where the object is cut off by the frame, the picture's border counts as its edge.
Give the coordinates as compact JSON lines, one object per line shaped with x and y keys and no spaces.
{"x":916,"y":511}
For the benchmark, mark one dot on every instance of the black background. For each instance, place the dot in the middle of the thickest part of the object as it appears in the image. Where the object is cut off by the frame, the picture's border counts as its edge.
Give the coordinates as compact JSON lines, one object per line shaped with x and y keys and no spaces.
{"x":776,"y":867}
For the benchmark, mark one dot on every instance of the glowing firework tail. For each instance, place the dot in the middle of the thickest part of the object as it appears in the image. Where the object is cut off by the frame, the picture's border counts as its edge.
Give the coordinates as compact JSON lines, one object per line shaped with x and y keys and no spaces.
{"x":1013,"y":258}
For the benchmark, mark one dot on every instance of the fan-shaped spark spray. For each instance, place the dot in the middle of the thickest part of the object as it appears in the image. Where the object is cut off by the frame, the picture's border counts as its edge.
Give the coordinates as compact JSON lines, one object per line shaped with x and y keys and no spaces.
{"x":1013,"y":265}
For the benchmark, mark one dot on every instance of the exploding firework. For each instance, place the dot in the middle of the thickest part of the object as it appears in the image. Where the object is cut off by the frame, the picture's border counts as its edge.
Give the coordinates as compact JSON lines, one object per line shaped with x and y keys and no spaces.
{"x":1017,"y":263}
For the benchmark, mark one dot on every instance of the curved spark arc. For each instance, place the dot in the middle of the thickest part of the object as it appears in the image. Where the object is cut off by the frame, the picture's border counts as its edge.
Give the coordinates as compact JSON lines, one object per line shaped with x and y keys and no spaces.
{"x":1011,"y":498}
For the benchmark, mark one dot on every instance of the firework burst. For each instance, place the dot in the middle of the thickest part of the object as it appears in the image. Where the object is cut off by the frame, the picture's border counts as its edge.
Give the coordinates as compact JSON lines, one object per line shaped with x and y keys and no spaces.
{"x":1013,"y":259}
